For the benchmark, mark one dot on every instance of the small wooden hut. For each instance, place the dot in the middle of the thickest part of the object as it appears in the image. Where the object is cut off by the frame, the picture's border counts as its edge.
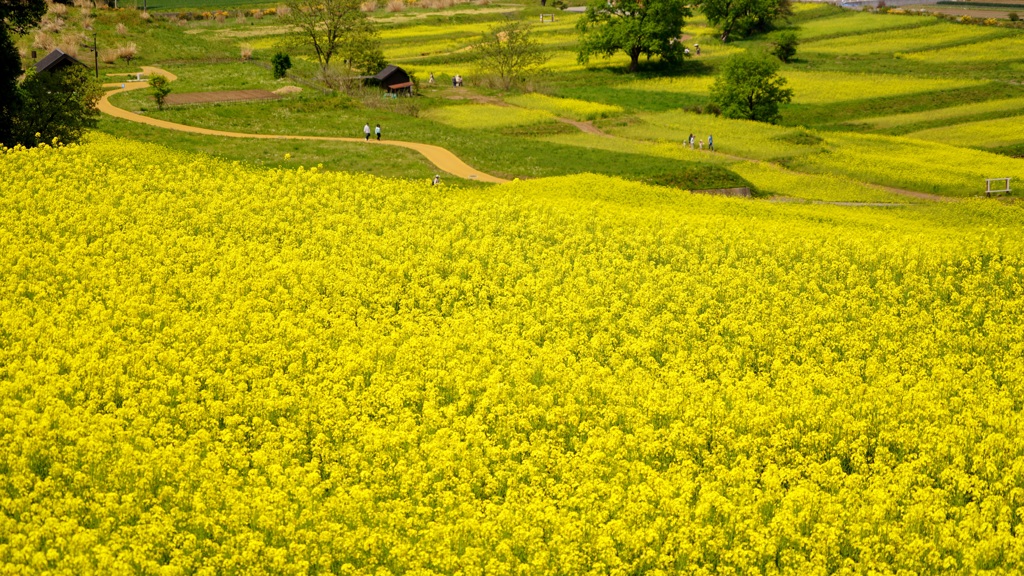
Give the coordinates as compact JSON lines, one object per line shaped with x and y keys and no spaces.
{"x":57,"y":60}
{"x":394,"y":80}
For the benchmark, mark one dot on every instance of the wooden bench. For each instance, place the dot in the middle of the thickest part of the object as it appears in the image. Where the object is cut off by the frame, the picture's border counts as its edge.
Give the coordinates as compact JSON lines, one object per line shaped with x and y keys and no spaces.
{"x":997,"y":186}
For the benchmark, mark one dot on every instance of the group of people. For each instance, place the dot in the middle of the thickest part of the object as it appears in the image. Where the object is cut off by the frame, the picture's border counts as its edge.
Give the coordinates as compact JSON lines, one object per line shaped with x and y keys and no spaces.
{"x":456,"y":80}
{"x":700,"y":143}
{"x":366,"y":131}
{"x":696,"y":48}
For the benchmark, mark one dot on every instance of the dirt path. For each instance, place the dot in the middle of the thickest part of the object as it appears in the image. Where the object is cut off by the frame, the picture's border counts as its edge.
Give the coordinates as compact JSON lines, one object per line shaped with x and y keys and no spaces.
{"x":440,"y":157}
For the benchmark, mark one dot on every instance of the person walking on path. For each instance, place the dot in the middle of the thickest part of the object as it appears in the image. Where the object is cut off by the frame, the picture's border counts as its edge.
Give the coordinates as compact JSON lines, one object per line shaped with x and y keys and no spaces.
{"x":691,"y":140}
{"x":436,"y":180}
{"x":377,"y":132}
{"x":431,"y":81}
{"x":711,"y":143}
{"x":701,"y":143}
{"x":366,"y":131}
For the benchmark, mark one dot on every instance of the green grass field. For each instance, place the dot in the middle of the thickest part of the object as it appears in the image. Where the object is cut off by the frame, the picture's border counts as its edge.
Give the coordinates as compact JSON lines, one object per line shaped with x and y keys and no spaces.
{"x":855,"y":72}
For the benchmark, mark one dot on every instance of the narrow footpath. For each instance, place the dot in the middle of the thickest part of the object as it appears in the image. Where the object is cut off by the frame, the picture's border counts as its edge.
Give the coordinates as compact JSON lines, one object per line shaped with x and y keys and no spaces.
{"x":440,"y":157}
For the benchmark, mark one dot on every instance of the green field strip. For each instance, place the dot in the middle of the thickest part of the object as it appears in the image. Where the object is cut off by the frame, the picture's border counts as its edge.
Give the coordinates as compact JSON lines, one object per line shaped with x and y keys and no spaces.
{"x":996,"y":133}
{"x":1008,"y":105}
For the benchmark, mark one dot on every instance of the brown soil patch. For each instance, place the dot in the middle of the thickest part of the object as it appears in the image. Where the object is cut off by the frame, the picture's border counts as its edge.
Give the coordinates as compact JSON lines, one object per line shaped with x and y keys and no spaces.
{"x":587,"y":127}
{"x":220,"y":96}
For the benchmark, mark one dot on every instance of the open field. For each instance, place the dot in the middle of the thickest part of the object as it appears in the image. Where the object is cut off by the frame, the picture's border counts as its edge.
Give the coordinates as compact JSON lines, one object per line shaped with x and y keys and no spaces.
{"x":258,"y":355}
{"x":231,"y":369}
{"x":981,"y":134}
{"x":516,"y":135}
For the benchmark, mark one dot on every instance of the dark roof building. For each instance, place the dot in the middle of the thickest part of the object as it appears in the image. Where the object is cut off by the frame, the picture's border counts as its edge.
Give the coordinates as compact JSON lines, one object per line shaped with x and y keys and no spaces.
{"x":393,"y":78}
{"x":56,"y":60}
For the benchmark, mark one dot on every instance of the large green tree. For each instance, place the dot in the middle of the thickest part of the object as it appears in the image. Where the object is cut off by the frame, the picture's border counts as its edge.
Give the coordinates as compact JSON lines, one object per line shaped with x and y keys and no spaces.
{"x":749,"y":87}
{"x":16,"y":17}
{"x":59,"y":104}
{"x":337,"y":29}
{"x":637,"y":27}
{"x":743,"y":17}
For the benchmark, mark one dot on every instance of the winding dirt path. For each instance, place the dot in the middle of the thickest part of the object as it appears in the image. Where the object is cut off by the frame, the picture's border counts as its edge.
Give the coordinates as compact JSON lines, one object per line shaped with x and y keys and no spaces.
{"x":440,"y":157}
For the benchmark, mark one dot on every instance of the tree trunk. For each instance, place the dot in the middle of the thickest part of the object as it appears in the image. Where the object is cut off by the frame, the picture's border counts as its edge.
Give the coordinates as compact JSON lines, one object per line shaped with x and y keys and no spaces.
{"x":634,"y":59}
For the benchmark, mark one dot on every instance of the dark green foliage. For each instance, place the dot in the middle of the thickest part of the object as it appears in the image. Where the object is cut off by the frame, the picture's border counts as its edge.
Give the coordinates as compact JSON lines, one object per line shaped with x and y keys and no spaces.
{"x":744,"y":17}
{"x":784,"y":47}
{"x":19,"y":16}
{"x":281,"y":63}
{"x":16,"y":17}
{"x":636,"y":27}
{"x":160,"y":90}
{"x":10,"y":96}
{"x":59,"y":104}
{"x":1013,"y":16}
{"x":749,"y":87}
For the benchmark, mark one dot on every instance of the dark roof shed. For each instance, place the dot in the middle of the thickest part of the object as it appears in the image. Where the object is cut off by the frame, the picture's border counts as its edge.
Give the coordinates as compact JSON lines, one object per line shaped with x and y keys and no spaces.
{"x":56,"y":60}
{"x":391,"y":75}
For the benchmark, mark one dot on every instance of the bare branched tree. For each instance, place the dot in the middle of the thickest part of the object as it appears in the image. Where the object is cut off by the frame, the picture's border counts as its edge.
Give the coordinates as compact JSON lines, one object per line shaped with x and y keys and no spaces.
{"x":336,"y":29}
{"x":508,"y":51}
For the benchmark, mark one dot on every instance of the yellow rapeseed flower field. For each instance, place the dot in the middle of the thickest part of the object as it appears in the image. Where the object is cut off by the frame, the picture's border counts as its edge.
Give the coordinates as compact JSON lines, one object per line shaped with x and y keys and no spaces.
{"x":211,"y":368}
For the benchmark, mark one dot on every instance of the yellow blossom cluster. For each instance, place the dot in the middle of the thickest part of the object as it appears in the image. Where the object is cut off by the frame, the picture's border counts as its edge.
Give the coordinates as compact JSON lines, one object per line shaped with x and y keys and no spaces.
{"x":487,"y":116}
{"x":215,"y":369}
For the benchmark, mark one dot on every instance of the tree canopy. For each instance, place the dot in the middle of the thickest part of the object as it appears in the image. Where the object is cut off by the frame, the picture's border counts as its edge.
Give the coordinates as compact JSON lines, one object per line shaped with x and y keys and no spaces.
{"x":16,"y":17}
{"x":508,"y":51}
{"x":743,"y":17}
{"x":337,"y":28}
{"x":637,"y":27}
{"x":749,"y":87}
{"x":20,"y":15}
{"x":59,"y":104}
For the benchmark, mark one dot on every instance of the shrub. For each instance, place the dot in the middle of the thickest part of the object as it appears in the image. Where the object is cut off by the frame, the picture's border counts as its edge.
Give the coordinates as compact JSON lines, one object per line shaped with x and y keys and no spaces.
{"x":245,"y":51}
{"x":281,"y":63}
{"x":1013,"y":16}
{"x":121,"y":29}
{"x":43,"y":41}
{"x":395,"y":6}
{"x":785,"y":46}
{"x":52,"y":24}
{"x":160,"y":90}
{"x":368,"y":6}
{"x":128,"y":52}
